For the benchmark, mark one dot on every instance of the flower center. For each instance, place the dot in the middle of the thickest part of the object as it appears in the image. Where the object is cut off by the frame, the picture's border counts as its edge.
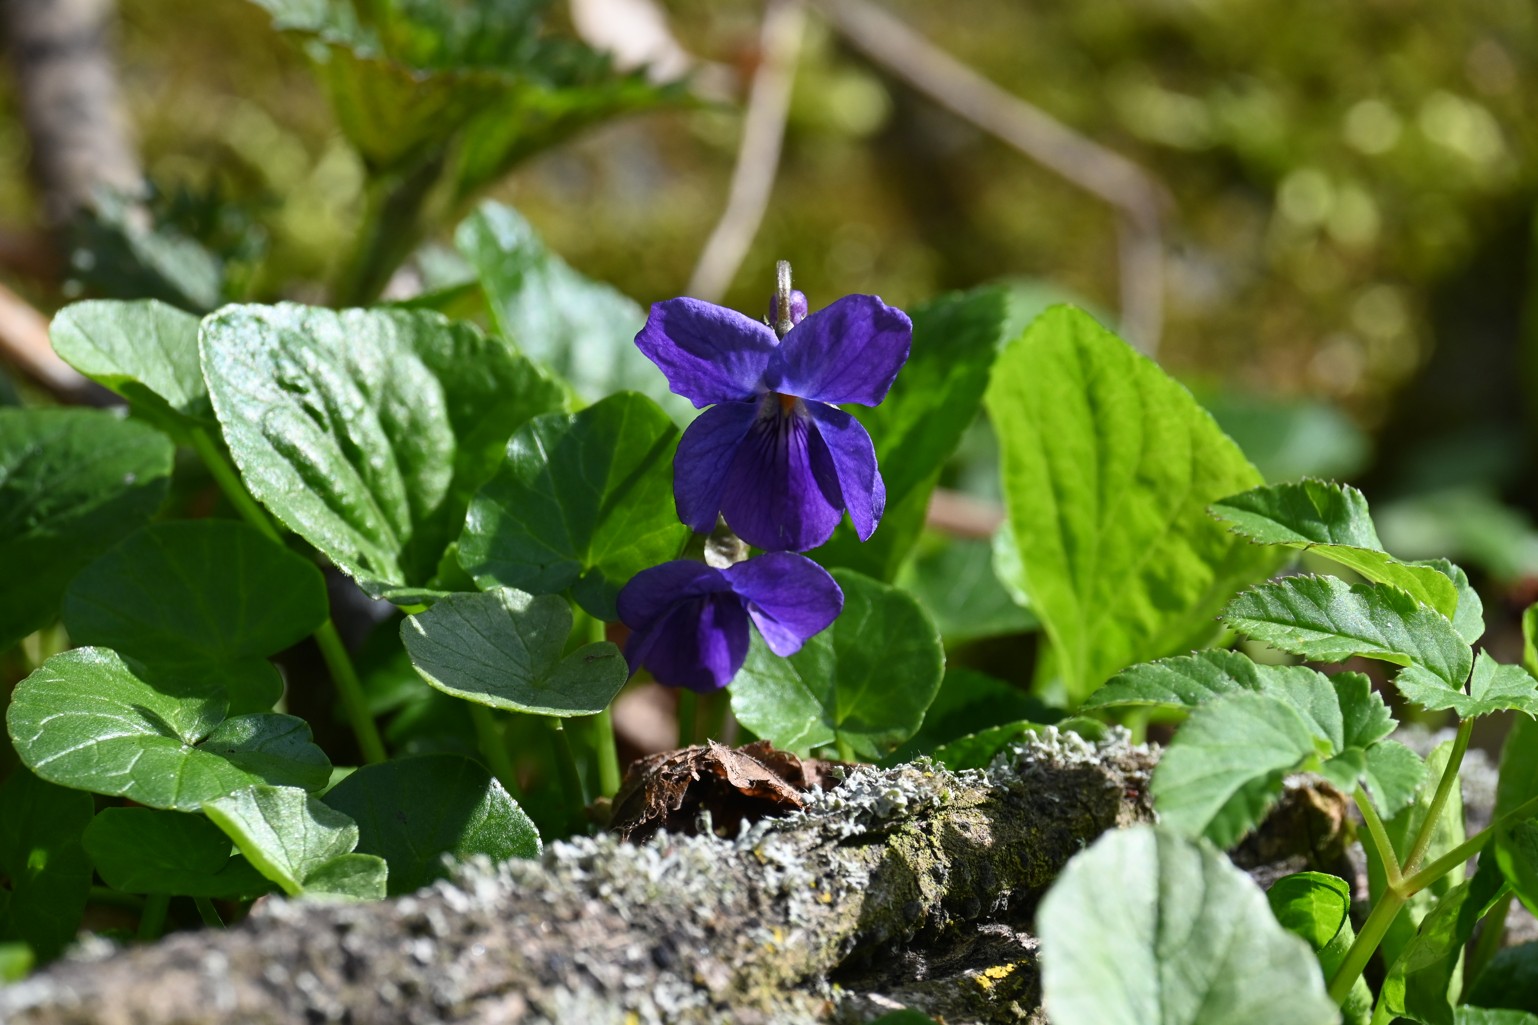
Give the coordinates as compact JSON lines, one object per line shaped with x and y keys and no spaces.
{"x":787,"y":402}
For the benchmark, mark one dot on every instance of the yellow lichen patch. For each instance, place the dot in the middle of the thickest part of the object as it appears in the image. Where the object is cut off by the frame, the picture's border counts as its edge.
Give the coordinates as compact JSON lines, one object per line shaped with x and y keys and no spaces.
{"x":988,"y":976}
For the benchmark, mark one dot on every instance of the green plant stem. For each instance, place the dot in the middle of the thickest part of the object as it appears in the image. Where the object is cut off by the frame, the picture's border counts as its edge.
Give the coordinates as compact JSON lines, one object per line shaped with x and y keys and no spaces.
{"x":845,"y":751}
{"x":208,"y":912}
{"x":608,"y":752}
{"x":493,"y":746}
{"x":1373,"y":931}
{"x":116,"y":898}
{"x":153,"y":919}
{"x":351,"y":690}
{"x":331,"y":648}
{"x":1467,"y":849}
{"x":711,"y":722}
{"x":1379,"y":836}
{"x":1439,"y":799}
{"x":566,"y":764}
{"x":229,"y":482}
{"x":688,"y":716}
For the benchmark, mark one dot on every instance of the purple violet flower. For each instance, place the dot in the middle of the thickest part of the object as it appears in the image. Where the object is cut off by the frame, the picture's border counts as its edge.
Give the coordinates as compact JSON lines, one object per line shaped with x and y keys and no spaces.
{"x":690,"y":620}
{"x":774,"y":454}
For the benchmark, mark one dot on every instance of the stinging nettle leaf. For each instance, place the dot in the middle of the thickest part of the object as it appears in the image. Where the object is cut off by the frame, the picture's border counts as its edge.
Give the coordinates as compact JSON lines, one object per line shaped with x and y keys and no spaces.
{"x":503,"y":648}
{"x":1491,"y":688}
{"x":1146,"y":926}
{"x":1108,"y":466}
{"x":93,"y":720}
{"x":861,"y":685}
{"x":1327,"y":619}
{"x":582,"y":501}
{"x":415,"y":811}
{"x":145,"y":350}
{"x":1332,"y":520}
{"x":298,"y":842}
{"x":367,"y":431}
{"x":73,"y":482}
{"x":203,"y":599}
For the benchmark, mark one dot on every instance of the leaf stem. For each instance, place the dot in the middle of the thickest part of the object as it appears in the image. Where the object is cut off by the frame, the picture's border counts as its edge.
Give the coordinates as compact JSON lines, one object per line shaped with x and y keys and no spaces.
{"x":571,"y":774}
{"x":1467,"y":849}
{"x":1366,"y":944}
{"x":1439,"y":799}
{"x":208,"y":912}
{"x":107,"y":895}
{"x":1379,"y":836}
{"x":153,"y":919}
{"x":493,"y":746}
{"x":688,"y":716}
{"x":229,"y":482}
{"x":351,"y":691}
{"x":608,"y":752}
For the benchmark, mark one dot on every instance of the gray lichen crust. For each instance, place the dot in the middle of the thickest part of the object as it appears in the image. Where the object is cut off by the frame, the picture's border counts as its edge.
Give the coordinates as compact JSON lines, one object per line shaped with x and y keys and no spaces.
{"x":897,"y":888}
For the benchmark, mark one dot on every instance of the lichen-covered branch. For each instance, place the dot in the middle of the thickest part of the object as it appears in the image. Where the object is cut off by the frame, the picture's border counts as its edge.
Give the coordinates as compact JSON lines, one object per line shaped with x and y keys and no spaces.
{"x":893,"y":864}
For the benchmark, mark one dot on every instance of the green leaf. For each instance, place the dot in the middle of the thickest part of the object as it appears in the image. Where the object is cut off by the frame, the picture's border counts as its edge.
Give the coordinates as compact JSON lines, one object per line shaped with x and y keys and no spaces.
{"x":16,"y":960}
{"x":93,"y":720}
{"x":41,"y":857}
{"x":414,"y":811}
{"x":861,"y":685}
{"x":1327,"y":619}
{"x":1421,"y":983}
{"x":146,"y":351}
{"x":298,"y":842}
{"x":970,"y":702}
{"x":1108,"y":466}
{"x":978,"y":750}
{"x":1530,"y":639}
{"x":582,"y":330}
{"x":1469,"y":620}
{"x":1509,"y":982}
{"x":1224,"y":767}
{"x":73,"y":482}
{"x":1146,"y":926}
{"x":503,"y":648}
{"x":953,"y":579}
{"x":145,"y":850}
{"x":1465,"y":1015}
{"x":1395,"y":774}
{"x":1491,"y":688}
{"x":1516,"y":852}
{"x":366,"y":431}
{"x":583,"y":501}
{"x":200,"y":599}
{"x":1518,"y":780}
{"x":921,"y":421}
{"x":1331,"y":520}
{"x":1317,"y":907}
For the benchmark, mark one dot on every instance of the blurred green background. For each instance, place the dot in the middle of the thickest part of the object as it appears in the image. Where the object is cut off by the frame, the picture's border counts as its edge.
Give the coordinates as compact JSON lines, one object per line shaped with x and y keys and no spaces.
{"x":1348,"y":272}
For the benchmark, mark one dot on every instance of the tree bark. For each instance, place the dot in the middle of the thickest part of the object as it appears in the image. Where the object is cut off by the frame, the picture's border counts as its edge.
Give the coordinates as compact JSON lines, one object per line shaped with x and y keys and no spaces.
{"x":878,"y":885}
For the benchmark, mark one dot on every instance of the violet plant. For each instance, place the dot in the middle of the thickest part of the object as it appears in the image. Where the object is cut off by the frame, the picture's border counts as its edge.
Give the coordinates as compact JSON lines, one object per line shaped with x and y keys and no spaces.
{"x":509,"y":505}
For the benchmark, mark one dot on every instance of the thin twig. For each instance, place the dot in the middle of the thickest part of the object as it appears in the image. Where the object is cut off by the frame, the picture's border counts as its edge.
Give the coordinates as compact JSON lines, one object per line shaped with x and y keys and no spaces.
{"x":1135,"y":194}
{"x":758,"y":156}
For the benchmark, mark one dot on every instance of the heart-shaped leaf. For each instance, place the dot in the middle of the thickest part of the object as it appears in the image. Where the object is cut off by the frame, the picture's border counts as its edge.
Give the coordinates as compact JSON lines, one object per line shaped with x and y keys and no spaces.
{"x":1131,"y":917}
{"x":583,"y":501}
{"x":1332,"y":520}
{"x":367,"y":431}
{"x":298,"y":842}
{"x":862,"y":685}
{"x":41,"y":857}
{"x":146,"y":850}
{"x":503,"y":648}
{"x":1327,"y":619}
{"x":413,"y":812}
{"x":93,"y":720}
{"x":200,"y":599}
{"x":73,"y":482}
{"x":146,"y":351}
{"x":1108,"y":467}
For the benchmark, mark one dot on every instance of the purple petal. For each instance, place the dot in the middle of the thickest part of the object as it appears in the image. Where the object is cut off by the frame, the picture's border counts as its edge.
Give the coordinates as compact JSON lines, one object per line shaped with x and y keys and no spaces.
{"x":774,"y":499}
{"x":652,"y":593}
{"x":704,"y":458}
{"x":854,"y":461}
{"x":700,"y":644}
{"x":709,"y":353}
{"x":789,"y":596}
{"x":849,"y":351}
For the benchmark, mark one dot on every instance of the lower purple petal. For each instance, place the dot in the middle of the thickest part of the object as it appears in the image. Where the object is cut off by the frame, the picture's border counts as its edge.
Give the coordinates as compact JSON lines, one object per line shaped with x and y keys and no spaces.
{"x":773,"y":497}
{"x":700,"y":644}
{"x":789,"y":597}
{"x":854,"y":460}
{"x":704,"y":459}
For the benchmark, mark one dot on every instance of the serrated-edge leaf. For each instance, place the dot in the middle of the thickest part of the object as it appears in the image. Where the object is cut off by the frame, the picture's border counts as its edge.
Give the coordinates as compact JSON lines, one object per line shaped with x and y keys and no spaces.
{"x":1492,"y":687}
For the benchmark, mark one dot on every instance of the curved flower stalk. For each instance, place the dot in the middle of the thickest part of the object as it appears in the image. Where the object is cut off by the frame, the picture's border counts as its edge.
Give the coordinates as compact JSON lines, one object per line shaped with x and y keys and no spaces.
{"x":690,"y":620}
{"x":773,"y":453}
